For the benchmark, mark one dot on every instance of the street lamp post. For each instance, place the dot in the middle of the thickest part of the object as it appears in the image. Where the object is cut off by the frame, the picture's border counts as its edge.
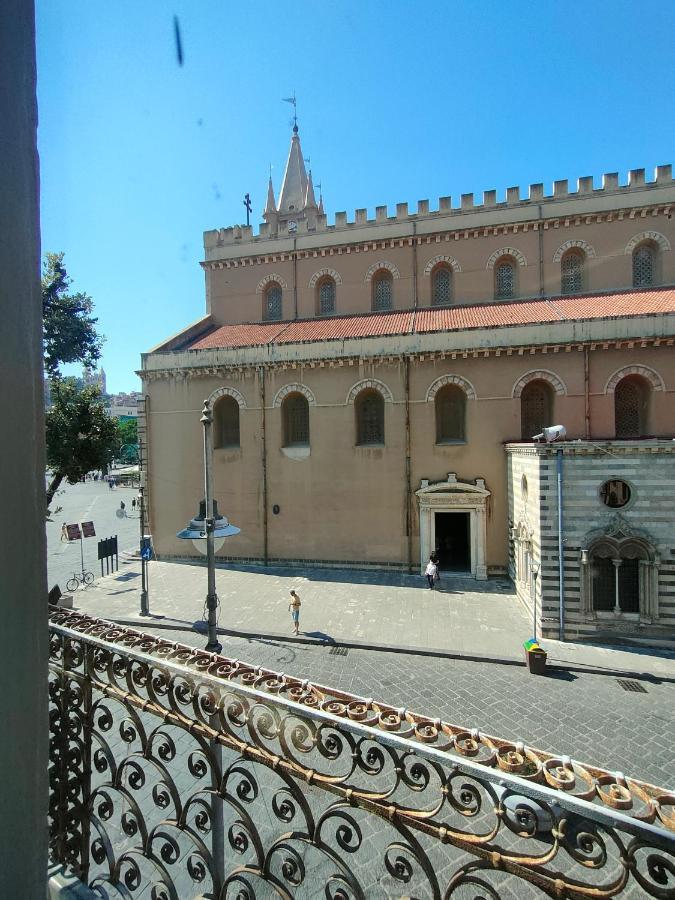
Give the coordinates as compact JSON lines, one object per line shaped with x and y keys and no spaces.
{"x":209,"y":527}
{"x":535,"y":573}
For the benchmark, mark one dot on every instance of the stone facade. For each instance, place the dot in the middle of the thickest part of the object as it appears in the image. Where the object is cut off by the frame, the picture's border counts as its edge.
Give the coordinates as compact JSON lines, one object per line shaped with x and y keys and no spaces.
{"x":639,"y":534}
{"x":447,"y":384}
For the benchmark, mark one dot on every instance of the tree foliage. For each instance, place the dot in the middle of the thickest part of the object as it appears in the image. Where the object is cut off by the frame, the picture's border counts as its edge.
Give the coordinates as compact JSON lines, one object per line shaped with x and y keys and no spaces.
{"x":81,"y":436}
{"x":69,"y":327}
{"x":128,"y":431}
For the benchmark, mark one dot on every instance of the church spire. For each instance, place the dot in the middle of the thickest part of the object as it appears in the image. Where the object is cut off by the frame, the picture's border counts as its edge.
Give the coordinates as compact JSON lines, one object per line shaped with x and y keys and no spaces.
{"x":270,"y":206}
{"x":310,"y":199}
{"x":294,"y":187}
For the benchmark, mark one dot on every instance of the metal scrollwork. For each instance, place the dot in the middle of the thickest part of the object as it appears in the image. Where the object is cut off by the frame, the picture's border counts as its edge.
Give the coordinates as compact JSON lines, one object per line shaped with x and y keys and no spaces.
{"x":177,"y":774}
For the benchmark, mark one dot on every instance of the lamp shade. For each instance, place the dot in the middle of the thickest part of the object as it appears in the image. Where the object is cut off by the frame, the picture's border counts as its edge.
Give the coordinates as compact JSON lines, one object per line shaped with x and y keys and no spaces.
{"x":196,"y":529}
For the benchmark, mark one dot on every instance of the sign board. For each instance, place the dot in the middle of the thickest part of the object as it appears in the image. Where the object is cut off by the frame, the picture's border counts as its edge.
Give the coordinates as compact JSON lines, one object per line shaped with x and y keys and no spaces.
{"x":88,"y":529}
{"x":74,"y":533}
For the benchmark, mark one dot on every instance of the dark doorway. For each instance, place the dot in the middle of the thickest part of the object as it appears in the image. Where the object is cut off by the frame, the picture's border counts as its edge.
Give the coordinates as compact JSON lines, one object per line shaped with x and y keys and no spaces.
{"x":452,"y":541}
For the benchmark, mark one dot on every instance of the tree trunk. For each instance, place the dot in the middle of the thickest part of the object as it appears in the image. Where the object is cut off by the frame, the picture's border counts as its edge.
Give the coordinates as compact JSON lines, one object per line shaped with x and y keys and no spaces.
{"x":54,"y":484}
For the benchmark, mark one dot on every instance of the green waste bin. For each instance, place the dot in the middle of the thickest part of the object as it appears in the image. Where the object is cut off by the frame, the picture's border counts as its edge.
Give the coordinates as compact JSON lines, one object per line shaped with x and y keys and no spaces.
{"x":535,"y":657}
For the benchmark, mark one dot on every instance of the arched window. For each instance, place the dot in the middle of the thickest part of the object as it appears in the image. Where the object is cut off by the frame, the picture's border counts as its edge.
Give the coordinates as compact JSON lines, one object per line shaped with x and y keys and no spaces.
{"x":615,"y":576}
{"x":572,"y":272}
{"x":369,"y":411}
{"x":383,"y":290}
{"x":273,"y":308}
{"x":325,"y":297}
{"x":506,"y":278}
{"x":450,"y":402}
{"x":644,"y":264}
{"x":536,"y":408}
{"x":295,"y":412}
{"x":226,"y":422}
{"x":631,"y":407}
{"x":441,"y":286}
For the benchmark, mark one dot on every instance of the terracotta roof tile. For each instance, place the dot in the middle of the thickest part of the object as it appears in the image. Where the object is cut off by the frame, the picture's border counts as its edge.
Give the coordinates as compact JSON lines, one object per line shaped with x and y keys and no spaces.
{"x":245,"y":335}
{"x":453,"y":318}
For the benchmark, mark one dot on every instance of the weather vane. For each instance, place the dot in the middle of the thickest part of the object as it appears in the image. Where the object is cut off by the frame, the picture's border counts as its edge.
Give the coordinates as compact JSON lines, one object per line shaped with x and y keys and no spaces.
{"x":294,"y":102}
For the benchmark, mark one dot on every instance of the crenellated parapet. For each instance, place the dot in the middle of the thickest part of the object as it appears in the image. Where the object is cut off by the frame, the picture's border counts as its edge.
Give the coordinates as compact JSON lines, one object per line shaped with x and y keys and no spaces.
{"x":450,"y":213}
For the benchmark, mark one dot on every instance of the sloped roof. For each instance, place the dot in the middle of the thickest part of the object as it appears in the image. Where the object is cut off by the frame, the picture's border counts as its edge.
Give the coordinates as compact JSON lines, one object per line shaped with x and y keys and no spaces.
{"x":446,"y":319}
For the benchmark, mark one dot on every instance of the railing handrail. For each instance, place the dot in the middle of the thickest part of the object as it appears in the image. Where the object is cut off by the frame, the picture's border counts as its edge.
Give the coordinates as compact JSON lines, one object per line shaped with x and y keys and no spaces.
{"x":602,"y":814}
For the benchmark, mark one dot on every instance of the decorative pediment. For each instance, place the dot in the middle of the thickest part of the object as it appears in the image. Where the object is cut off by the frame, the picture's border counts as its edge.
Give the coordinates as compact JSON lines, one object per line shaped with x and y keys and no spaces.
{"x":619,"y":529}
{"x":453,"y":485}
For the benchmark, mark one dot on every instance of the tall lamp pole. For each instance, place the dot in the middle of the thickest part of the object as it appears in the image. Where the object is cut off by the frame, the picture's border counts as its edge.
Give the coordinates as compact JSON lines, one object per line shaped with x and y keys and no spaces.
{"x":213,"y":644}
{"x":210,"y":527}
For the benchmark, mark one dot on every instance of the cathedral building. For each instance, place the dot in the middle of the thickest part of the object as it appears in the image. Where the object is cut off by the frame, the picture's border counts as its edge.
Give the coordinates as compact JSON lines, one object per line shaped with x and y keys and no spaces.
{"x":377,"y":382}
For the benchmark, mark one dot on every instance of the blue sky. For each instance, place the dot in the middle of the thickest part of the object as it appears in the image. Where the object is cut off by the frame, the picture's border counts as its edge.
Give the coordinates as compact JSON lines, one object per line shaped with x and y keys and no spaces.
{"x":396,"y":102}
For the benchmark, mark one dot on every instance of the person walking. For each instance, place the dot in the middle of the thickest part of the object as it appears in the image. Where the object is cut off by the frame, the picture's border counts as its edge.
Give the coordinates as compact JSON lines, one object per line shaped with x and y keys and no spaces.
{"x":64,"y":533}
{"x":123,"y":508}
{"x":133,"y":503}
{"x":431,"y":572}
{"x":294,"y":607}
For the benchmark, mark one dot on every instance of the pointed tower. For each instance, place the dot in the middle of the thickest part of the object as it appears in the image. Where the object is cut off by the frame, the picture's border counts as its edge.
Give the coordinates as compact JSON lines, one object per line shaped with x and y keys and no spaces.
{"x":297,"y":201}
{"x":270,"y":215}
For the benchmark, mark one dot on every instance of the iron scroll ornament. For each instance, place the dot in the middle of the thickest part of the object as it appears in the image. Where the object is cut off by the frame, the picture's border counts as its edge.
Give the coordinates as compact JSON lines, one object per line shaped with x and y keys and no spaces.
{"x":188,"y":774}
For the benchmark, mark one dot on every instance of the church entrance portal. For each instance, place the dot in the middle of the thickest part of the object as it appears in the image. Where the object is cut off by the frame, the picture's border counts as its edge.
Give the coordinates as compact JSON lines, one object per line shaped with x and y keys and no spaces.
{"x":452,"y":541}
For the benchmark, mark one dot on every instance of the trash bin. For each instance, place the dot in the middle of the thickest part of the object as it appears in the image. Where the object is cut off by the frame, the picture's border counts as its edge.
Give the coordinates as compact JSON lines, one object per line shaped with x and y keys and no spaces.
{"x":535,"y":657}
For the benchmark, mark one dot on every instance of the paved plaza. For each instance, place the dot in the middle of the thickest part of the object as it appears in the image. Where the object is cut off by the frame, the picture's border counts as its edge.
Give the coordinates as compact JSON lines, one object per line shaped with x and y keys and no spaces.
{"x":462,"y":659}
{"x":455,"y":652}
{"x":85,"y":502}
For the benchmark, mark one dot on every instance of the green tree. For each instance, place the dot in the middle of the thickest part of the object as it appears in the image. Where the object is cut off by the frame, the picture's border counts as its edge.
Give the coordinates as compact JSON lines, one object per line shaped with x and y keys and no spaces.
{"x":69,"y":327}
{"x":127,"y":435}
{"x":81,"y":436}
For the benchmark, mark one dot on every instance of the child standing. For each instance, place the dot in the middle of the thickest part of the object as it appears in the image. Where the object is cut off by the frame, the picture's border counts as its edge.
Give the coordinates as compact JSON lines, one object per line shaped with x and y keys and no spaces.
{"x":294,"y":607}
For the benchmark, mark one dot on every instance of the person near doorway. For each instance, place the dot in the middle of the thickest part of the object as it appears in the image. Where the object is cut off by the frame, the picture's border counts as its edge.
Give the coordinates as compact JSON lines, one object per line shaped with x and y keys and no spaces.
{"x":431,"y":572}
{"x":436,"y":558}
{"x":123,"y":507}
{"x":294,"y":607}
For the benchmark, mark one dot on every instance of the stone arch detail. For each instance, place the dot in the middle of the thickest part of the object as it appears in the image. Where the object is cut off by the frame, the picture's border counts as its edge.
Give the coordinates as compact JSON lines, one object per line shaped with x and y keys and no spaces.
{"x":372,"y":383}
{"x":295,"y":388}
{"x":656,"y":236}
{"x":337,"y":278}
{"x":554,"y":380}
{"x":506,"y":251}
{"x":381,"y":265}
{"x":450,"y":260}
{"x":650,"y":375}
{"x":227,"y":392}
{"x":262,"y":284}
{"x":588,"y":249}
{"x":465,"y":385}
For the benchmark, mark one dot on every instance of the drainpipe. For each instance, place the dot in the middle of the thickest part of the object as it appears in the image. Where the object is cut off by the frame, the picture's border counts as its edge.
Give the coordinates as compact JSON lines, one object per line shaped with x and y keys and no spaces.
{"x":408,"y":491}
{"x":587,"y":399}
{"x":540,"y":232}
{"x":561,"y":560}
{"x":263,"y":438}
{"x":295,"y":279}
{"x":415,"y":303}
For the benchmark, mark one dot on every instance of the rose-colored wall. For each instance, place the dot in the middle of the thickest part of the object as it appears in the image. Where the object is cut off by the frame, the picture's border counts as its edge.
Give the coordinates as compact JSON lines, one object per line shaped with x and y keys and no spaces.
{"x":346,"y":502}
{"x":233,"y":297}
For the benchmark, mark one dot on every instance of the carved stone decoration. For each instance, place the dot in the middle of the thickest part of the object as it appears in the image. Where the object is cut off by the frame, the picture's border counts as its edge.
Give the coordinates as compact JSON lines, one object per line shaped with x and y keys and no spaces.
{"x":619,"y":539}
{"x":455,"y":495}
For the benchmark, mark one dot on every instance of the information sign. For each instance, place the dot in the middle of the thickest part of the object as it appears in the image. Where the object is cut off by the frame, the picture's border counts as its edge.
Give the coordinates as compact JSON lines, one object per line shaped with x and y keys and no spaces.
{"x":88,"y":529}
{"x":74,"y":533}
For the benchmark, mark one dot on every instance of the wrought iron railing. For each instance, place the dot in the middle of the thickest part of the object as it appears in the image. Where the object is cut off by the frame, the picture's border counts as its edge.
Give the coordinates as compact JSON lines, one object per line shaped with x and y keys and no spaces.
{"x":177,"y":774}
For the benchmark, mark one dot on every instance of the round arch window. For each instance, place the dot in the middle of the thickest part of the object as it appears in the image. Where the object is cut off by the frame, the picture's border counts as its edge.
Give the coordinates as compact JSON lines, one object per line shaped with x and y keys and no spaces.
{"x":615,"y":493}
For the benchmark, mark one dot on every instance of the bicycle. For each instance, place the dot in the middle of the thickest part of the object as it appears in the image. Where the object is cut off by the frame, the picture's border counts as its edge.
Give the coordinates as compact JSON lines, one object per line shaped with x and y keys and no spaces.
{"x":83,"y":578}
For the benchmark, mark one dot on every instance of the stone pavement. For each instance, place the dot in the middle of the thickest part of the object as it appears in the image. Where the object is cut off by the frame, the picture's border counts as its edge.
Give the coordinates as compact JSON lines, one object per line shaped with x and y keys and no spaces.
{"x":474,"y":678}
{"x":463,"y":619}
